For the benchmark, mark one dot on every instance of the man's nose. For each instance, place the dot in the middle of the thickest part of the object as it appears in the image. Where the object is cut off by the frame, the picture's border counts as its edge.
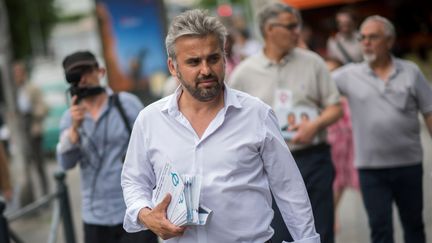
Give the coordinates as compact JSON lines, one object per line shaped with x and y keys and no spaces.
{"x":205,"y":68}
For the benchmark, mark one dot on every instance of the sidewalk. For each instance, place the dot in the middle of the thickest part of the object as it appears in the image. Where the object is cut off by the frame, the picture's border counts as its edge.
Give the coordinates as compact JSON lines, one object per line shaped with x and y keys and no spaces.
{"x":36,"y":228}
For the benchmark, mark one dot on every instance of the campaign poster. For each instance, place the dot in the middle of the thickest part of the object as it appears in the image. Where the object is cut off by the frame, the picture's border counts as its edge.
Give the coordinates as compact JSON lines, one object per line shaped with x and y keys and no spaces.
{"x":291,"y":116}
{"x":133,"y":39}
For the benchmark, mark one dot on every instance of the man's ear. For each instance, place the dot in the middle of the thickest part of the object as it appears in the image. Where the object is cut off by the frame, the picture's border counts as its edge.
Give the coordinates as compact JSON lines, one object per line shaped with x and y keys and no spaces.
{"x":172,"y":67}
{"x":102,"y":72}
{"x":266,"y":30}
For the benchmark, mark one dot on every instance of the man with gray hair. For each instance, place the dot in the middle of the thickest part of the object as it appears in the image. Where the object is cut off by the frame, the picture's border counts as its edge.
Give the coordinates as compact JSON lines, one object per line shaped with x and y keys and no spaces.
{"x":295,"y":80}
{"x":389,"y":155}
{"x":200,"y":131}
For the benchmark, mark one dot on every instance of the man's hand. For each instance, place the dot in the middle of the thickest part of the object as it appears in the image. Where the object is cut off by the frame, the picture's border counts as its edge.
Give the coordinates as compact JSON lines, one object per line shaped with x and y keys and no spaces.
{"x":77,"y":113}
{"x":306,"y":132}
{"x":308,"y":129}
{"x":157,"y":221}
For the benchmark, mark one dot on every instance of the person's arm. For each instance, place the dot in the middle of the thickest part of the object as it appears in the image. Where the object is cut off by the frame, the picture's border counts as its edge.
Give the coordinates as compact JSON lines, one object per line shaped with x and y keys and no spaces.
{"x":69,"y":150}
{"x":287,"y":184}
{"x":428,"y":121}
{"x":306,"y":131}
{"x":5,"y":183}
{"x":329,"y":100}
{"x":138,"y":179}
{"x":423,"y":91}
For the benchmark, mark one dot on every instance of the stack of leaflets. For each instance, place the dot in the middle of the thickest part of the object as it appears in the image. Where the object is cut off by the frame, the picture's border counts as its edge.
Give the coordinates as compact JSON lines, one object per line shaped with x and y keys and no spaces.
{"x":184,"y":208}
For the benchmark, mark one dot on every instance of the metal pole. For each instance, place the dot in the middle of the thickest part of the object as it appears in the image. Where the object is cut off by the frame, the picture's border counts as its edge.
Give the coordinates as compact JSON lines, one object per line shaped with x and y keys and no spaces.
{"x":4,"y":229}
{"x":65,"y":208}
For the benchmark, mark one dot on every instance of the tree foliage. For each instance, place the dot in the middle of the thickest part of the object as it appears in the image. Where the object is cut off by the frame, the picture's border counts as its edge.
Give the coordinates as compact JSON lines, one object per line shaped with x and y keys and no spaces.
{"x":30,"y":23}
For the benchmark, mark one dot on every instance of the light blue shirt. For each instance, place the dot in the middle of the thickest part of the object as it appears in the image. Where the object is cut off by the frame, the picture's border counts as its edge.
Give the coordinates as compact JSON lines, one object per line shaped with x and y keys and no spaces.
{"x":99,"y":154}
{"x":240,"y":157}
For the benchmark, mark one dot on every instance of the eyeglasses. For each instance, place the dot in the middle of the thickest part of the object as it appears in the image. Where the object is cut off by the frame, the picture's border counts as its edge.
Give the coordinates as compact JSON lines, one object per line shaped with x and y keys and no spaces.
{"x":289,"y":27}
{"x":371,"y":37}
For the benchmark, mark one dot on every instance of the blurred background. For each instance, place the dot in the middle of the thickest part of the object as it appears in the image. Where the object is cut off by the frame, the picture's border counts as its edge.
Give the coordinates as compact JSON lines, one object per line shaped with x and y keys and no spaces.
{"x":128,"y":38}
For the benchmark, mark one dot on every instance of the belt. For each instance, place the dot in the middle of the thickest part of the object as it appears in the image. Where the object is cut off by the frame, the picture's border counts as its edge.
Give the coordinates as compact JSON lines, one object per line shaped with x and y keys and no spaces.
{"x":311,"y":149}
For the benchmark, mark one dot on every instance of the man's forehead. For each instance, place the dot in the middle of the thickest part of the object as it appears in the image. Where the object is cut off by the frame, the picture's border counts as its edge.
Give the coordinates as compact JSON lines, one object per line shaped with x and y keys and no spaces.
{"x":372,"y":27}
{"x":194,"y":38}
{"x":287,"y":16}
{"x":197,"y":47}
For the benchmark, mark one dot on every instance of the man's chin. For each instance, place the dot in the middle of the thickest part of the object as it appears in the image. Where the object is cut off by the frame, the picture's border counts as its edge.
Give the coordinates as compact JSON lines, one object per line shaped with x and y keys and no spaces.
{"x":369,"y":58}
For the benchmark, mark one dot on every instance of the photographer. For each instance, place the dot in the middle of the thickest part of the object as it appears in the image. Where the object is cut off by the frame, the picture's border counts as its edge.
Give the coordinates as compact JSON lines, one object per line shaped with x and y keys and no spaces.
{"x":95,"y":132}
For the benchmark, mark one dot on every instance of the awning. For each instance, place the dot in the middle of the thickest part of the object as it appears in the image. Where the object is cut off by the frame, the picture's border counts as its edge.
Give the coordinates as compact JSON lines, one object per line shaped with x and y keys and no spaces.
{"x":307,"y":4}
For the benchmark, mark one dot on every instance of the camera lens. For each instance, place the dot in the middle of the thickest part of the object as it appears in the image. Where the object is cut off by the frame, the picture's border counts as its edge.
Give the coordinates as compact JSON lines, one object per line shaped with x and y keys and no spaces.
{"x":73,"y":77}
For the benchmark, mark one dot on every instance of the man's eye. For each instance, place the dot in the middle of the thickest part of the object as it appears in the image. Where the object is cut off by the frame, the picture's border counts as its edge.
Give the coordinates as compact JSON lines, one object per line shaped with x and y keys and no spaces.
{"x":193,"y":62}
{"x":214,"y":59}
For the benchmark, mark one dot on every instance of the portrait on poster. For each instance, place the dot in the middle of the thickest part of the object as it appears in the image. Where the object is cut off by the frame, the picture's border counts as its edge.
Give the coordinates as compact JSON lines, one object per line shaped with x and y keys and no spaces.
{"x":290,"y":116}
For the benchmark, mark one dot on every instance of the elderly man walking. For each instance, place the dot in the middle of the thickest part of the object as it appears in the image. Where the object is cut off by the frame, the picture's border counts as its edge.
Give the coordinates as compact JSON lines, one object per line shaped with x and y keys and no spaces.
{"x":385,"y":95}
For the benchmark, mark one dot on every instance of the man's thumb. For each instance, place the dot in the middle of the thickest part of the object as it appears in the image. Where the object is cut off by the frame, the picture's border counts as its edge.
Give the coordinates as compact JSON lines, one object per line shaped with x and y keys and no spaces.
{"x":165,"y":202}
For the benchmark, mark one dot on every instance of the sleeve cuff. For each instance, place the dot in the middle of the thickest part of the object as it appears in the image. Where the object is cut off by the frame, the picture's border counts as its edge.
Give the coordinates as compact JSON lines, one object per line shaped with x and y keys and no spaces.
{"x":65,"y":144}
{"x":131,"y":223}
{"x":313,"y":239}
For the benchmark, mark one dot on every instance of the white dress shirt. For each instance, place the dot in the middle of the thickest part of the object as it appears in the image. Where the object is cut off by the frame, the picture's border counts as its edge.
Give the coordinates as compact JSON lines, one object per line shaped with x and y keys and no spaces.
{"x":240,"y":156}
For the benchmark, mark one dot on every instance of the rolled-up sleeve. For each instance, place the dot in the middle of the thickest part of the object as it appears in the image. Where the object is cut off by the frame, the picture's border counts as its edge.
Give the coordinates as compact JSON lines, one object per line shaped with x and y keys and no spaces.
{"x":67,"y":153}
{"x":137,"y":179}
{"x":287,"y":184}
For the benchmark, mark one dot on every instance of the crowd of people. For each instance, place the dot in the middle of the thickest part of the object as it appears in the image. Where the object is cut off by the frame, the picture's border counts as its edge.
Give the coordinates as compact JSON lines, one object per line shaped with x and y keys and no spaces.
{"x":276,"y":132}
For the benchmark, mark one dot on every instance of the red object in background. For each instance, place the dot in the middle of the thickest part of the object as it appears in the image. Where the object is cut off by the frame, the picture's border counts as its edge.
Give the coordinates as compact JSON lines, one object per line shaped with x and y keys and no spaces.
{"x":302,"y":4}
{"x":224,"y":10}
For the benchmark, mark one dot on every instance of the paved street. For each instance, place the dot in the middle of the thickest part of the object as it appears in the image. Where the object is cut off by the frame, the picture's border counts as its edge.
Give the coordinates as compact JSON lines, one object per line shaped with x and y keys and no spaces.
{"x":352,"y":215}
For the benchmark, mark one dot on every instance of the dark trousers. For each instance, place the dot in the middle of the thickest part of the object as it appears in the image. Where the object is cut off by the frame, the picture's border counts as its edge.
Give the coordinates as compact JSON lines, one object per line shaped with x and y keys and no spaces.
{"x":116,"y":234}
{"x":317,"y":170}
{"x":403,"y":185}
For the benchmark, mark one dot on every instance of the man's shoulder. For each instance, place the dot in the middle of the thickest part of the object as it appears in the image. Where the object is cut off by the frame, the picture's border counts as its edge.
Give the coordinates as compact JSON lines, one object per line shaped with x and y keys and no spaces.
{"x":250,"y":102}
{"x":407,"y":64}
{"x":247,"y":68}
{"x":350,"y":68}
{"x":127,"y":98}
{"x":251,"y":61}
{"x":309,"y":55}
{"x":349,"y":73}
{"x":123,"y":95}
{"x":157,"y":106}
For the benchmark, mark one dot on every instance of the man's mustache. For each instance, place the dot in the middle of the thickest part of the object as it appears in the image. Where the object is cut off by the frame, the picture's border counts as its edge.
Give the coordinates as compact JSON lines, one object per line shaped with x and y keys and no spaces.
{"x":206,"y":78}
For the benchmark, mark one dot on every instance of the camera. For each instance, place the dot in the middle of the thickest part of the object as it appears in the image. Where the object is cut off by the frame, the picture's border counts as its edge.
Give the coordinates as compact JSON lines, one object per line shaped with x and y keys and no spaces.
{"x":74,"y":77}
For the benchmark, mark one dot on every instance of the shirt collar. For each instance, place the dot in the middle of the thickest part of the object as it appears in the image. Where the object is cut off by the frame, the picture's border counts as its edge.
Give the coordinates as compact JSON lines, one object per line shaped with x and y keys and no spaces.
{"x":171,"y":106}
{"x":231,"y":98}
{"x":266,"y":62}
{"x":396,"y":64}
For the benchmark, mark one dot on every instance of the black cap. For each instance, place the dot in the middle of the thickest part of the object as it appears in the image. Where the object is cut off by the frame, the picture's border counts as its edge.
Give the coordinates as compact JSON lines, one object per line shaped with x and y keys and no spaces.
{"x":79,"y":59}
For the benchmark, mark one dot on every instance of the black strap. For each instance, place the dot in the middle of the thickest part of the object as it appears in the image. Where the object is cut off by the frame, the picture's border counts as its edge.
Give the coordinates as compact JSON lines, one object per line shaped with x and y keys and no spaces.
{"x":119,"y":106}
{"x":343,"y":51}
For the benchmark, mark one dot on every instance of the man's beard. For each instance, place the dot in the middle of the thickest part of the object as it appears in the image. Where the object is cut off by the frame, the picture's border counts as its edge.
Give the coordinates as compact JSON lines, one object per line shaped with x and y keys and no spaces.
{"x":369,"y":58}
{"x":202,"y":94}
